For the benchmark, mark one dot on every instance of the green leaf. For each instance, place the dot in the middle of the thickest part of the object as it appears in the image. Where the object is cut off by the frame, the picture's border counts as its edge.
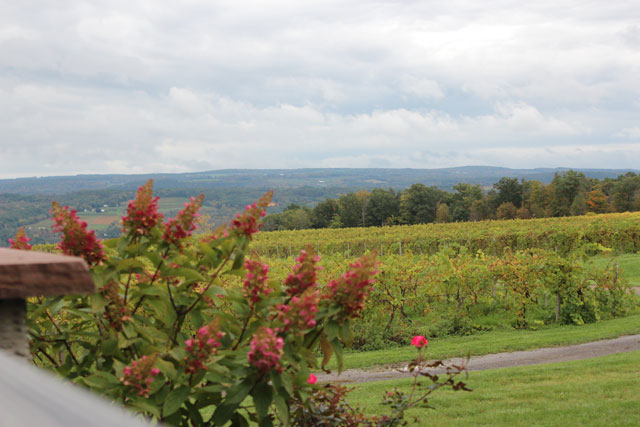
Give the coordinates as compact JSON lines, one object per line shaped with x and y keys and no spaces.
{"x":337,"y":349}
{"x":194,"y":414}
{"x":196,"y":318}
{"x":345,"y":333}
{"x":332,"y":329}
{"x":262,"y":397}
{"x":224,"y":412}
{"x":189,"y":274}
{"x":144,"y":405}
{"x":100,"y":380}
{"x":240,"y":391}
{"x":166,"y":368}
{"x":282,"y":408}
{"x":109,"y":346}
{"x":239,"y":420}
{"x":97,"y":303}
{"x":174,"y":400}
{"x":130,"y":265}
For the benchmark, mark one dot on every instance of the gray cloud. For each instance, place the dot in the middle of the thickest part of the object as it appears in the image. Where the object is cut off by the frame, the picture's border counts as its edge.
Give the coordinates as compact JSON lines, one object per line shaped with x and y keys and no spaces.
{"x":145,"y":86}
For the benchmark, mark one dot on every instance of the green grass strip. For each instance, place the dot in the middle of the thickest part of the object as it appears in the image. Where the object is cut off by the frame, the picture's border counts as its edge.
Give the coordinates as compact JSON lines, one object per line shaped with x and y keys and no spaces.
{"x":600,"y":392}
{"x":499,"y":341}
{"x":629,"y":265}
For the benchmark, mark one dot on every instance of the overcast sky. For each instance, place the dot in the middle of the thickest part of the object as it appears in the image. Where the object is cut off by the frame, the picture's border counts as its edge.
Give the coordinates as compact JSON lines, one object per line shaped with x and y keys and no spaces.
{"x":173,"y":86}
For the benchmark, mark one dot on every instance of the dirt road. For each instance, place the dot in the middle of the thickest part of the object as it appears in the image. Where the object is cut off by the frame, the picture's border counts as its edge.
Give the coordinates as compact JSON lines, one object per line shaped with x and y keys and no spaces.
{"x":500,"y":360}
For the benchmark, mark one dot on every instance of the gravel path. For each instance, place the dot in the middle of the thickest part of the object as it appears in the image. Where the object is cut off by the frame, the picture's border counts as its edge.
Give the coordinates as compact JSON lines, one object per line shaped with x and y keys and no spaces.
{"x":500,"y":360}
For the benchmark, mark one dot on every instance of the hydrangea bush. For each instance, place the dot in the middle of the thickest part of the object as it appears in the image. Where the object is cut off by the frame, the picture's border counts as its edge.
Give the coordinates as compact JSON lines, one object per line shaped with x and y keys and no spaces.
{"x":164,"y":336}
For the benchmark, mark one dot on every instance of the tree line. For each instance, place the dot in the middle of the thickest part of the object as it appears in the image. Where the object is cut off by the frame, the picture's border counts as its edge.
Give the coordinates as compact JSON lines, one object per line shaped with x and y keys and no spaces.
{"x":569,"y":193}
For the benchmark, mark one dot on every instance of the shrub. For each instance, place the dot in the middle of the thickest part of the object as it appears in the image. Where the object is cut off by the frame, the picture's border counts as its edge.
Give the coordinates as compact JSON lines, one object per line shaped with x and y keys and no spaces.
{"x":166,"y":337}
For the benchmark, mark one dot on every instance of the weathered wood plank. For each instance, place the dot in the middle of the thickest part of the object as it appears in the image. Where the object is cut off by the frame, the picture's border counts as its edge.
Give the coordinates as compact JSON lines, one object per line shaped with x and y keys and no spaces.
{"x":29,"y":273}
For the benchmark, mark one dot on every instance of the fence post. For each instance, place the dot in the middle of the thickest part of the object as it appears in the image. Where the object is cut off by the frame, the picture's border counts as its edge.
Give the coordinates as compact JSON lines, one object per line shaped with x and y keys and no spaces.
{"x":28,"y":273}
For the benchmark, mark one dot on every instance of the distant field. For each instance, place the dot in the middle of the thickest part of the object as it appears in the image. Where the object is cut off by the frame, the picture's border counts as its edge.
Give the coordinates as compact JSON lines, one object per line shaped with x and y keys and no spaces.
{"x":99,"y":221}
{"x":171,"y":203}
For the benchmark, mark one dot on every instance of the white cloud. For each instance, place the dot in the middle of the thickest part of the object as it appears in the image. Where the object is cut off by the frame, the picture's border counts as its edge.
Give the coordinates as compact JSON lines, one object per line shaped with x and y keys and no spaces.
{"x":115,"y":86}
{"x":631,"y":132}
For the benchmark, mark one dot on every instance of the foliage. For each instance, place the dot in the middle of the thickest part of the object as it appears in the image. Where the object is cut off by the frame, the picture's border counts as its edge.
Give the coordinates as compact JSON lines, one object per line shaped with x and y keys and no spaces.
{"x":458,"y":292}
{"x":620,"y":232}
{"x":170,"y":334}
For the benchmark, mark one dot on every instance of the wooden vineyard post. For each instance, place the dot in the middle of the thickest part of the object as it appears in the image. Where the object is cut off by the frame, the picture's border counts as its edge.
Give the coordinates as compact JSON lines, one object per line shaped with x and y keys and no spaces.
{"x":26,"y":274}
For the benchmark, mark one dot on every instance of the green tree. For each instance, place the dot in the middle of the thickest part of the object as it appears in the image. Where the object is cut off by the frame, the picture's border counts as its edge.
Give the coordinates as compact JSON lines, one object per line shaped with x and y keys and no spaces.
{"x":626,"y":191}
{"x":579,"y":205}
{"x":567,"y":186}
{"x":383,"y":204}
{"x":461,"y":200}
{"x":418,"y":203}
{"x":507,"y":210}
{"x":324,"y":212}
{"x":442,"y":213}
{"x":509,"y":190}
{"x":350,"y":210}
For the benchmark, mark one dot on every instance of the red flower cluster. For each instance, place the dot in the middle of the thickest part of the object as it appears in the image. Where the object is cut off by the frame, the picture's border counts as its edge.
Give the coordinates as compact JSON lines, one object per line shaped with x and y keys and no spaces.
{"x":202,"y":345}
{"x":256,"y":281}
{"x":304,"y":272}
{"x":142,"y":212}
{"x":247,"y":222}
{"x":419,"y":341}
{"x":266,"y":350}
{"x":76,"y":240}
{"x":300,"y":313}
{"x":350,"y":290}
{"x":115,"y":311}
{"x":20,"y":240}
{"x":184,"y":224}
{"x":140,"y":375}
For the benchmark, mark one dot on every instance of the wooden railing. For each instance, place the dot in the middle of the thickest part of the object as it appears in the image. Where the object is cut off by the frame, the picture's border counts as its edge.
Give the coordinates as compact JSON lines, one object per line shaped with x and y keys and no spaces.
{"x":28,"y":395}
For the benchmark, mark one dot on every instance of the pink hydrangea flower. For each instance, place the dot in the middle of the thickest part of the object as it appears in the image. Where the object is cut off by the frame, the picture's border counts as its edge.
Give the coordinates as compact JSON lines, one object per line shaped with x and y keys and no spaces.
{"x":247,"y":223}
{"x":304,"y":272}
{"x":299,"y":314}
{"x":20,"y":240}
{"x":202,"y":346}
{"x":350,"y":290}
{"x":256,"y":284}
{"x":184,"y":224}
{"x":76,"y":240}
{"x":140,"y":375}
{"x":266,"y":350}
{"x":142,"y":212}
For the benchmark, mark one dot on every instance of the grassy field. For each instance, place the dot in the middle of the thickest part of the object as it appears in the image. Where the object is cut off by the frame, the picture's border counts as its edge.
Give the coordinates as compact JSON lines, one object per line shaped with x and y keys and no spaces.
{"x":99,"y":221}
{"x":600,"y":391}
{"x":500,"y":341}
{"x":629,"y":265}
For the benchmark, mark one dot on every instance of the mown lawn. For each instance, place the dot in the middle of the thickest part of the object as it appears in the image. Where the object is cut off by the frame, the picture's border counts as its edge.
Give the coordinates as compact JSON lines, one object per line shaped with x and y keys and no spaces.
{"x":603,"y":391}
{"x":500,"y":341}
{"x":629,"y":265}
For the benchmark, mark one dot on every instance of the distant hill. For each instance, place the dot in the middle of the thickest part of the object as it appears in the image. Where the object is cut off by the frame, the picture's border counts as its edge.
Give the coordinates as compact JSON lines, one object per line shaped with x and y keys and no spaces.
{"x":256,"y":179}
{"x":101,"y":199}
